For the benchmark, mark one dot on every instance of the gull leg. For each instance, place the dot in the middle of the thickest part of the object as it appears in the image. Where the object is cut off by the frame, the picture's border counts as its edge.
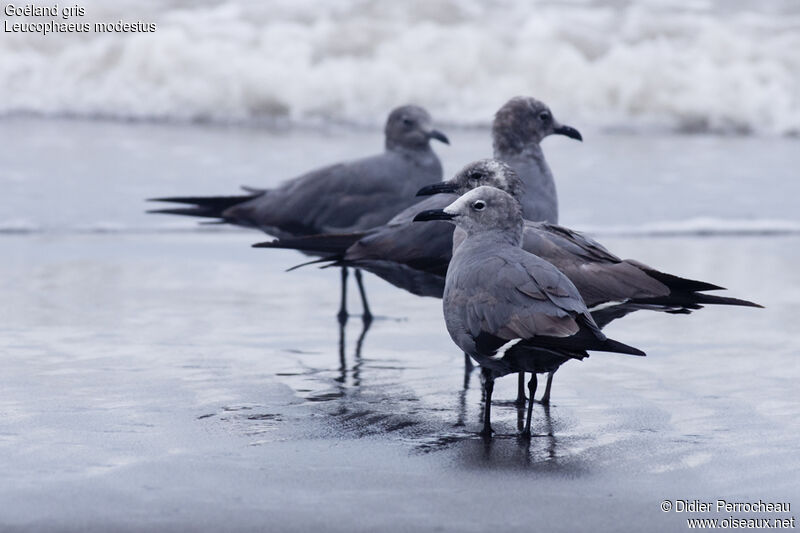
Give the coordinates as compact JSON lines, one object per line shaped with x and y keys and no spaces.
{"x":367,"y":316}
{"x":532,"y":388}
{"x":546,"y":397}
{"x":487,"y":413}
{"x":343,"y":305}
{"x":520,"y":401}
{"x":468,"y":366}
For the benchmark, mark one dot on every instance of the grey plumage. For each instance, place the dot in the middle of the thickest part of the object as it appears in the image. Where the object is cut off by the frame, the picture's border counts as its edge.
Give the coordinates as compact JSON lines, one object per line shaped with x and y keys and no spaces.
{"x":508,"y":309}
{"x":600,"y":276}
{"x":345,"y":197}
{"x":410,"y":256}
{"x":350,"y":196}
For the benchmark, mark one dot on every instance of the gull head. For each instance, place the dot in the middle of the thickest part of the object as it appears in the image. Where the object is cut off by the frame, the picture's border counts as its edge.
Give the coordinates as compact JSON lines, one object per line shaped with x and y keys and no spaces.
{"x":489,"y":172}
{"x":481,"y":210}
{"x":524,"y":121}
{"x":410,"y":127}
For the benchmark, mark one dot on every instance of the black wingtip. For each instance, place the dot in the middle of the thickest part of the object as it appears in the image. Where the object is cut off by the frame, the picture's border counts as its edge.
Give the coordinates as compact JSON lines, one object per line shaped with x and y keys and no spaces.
{"x":265,"y":244}
{"x":695,"y":299}
{"x":724,"y":300}
{"x":677,"y":283}
{"x":186,"y":211}
{"x":330,"y":259}
{"x":617,"y":347}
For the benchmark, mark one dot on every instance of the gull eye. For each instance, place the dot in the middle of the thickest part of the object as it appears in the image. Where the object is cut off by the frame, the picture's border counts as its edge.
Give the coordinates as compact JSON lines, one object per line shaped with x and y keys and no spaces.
{"x":407,"y":121}
{"x":476,"y":176}
{"x":479,"y":205}
{"x":544,"y":116}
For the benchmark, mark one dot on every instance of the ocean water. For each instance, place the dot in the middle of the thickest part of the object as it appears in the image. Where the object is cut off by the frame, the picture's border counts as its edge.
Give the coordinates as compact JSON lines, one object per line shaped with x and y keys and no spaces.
{"x":727,"y":66}
{"x":66,"y":176}
{"x":164,"y":376}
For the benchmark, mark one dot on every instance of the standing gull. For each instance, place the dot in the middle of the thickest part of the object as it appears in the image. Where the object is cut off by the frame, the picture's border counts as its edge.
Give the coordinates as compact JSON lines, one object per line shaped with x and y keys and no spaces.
{"x":344,"y":197}
{"x":509,"y":309}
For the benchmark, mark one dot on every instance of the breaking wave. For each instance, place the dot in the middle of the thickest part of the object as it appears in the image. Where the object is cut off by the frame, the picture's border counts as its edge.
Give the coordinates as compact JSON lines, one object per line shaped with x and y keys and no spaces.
{"x":709,"y":66}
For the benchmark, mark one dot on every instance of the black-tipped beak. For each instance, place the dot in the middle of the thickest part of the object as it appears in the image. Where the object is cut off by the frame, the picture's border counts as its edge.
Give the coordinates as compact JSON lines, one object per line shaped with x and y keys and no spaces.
{"x":439,"y":136}
{"x":570,"y":132}
{"x":437,"y":188}
{"x":433,"y":214}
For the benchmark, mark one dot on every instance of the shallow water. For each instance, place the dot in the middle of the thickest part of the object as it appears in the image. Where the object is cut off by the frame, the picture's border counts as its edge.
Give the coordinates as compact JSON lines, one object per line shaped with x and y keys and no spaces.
{"x":162,"y":379}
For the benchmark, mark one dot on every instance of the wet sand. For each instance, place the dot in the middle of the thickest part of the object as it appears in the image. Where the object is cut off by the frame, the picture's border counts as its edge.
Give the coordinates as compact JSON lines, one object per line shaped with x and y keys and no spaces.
{"x":185,"y":382}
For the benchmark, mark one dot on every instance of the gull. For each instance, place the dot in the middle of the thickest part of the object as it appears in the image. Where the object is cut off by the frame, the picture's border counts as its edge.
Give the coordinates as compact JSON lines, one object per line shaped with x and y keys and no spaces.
{"x":343,"y":197}
{"x":506,"y":308}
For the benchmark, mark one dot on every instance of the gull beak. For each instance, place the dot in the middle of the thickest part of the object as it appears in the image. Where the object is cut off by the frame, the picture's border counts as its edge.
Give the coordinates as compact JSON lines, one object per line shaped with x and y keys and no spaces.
{"x":439,"y":136}
{"x":433,"y":214}
{"x":437,"y":188}
{"x":569,"y":131}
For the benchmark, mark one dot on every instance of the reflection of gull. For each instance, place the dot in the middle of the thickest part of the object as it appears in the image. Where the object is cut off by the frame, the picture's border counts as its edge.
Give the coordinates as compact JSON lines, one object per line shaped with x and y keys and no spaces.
{"x":550,"y":449}
{"x":357,"y":355}
{"x":358,"y":361}
{"x":551,"y":438}
{"x":350,"y":196}
{"x":462,"y":394}
{"x":508,"y":309}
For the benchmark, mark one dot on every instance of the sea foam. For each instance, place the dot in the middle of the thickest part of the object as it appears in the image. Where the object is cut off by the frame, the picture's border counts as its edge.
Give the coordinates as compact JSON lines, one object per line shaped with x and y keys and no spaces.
{"x":637,"y":66}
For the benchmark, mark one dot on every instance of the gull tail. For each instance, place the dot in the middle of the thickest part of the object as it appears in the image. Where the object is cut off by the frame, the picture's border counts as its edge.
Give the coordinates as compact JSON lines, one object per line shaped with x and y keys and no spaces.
{"x":335,"y":244}
{"x":202,"y":206}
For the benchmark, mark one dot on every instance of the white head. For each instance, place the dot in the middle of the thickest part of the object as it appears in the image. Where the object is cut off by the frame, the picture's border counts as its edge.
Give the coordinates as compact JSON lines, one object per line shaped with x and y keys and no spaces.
{"x":483,"y":210}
